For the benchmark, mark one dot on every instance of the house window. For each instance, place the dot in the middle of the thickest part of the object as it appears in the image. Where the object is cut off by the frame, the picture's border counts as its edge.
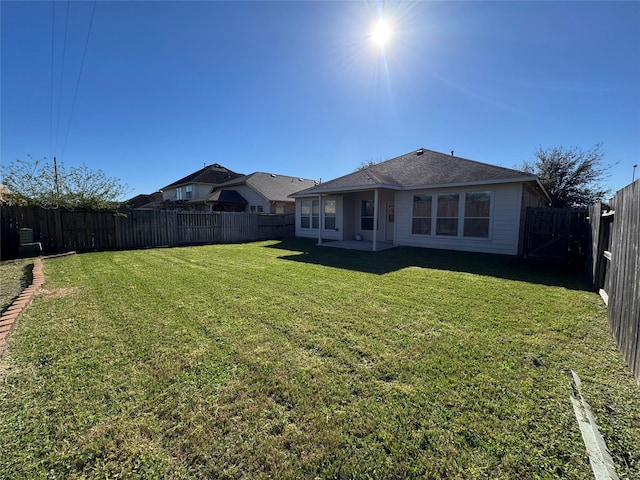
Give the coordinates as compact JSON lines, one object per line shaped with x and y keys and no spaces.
{"x":188,"y":192}
{"x":421,"y":221}
{"x":366,"y":216}
{"x":330,"y":207}
{"x":179,"y":193}
{"x":309,"y":214}
{"x":252,"y":209}
{"x":447,"y":214}
{"x":260,"y":209}
{"x":476,"y":214}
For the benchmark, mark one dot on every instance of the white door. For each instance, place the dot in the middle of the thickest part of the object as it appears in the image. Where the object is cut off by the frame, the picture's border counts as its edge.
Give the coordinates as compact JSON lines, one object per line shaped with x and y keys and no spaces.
{"x":390,"y":222}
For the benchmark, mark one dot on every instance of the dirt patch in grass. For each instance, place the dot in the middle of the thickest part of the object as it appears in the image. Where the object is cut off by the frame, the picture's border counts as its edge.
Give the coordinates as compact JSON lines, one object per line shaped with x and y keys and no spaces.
{"x":59,"y":292}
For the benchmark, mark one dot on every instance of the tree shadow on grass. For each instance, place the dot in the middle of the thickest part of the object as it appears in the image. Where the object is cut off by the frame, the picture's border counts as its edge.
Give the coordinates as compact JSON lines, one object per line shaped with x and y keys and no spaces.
{"x":387,"y":261}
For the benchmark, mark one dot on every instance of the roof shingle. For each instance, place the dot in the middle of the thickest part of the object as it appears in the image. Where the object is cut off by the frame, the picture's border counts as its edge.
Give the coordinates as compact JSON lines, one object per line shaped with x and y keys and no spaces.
{"x":275,"y":188}
{"x":421,"y":168}
{"x":213,"y":174}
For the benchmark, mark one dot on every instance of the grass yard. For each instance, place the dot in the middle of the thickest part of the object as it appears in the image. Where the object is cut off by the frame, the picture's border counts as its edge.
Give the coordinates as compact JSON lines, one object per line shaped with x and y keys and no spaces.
{"x":12,"y":279}
{"x":288,"y":360}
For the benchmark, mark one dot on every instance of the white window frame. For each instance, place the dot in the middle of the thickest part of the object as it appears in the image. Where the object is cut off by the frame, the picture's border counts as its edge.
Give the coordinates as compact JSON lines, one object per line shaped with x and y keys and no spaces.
{"x":487,"y":218}
{"x":461,"y":215}
{"x":330,"y":213}
{"x":313,"y":216}
{"x":430,"y":217}
{"x":449,"y":218}
{"x":363,"y":217}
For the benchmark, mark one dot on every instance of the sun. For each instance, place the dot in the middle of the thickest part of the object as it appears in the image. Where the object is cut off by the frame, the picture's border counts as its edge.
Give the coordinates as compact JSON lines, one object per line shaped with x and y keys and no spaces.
{"x":381,"y":33}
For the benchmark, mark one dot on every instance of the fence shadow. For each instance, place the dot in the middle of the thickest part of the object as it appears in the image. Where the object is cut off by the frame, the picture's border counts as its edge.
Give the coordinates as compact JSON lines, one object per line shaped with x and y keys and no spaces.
{"x":387,"y":261}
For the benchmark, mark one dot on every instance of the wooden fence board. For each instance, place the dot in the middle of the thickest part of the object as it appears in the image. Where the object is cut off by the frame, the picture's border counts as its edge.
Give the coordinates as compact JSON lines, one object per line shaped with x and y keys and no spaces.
{"x":616,"y":269}
{"x":64,"y":230}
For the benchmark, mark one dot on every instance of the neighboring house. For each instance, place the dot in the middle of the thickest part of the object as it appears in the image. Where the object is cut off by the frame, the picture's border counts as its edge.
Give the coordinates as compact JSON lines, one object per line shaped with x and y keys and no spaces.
{"x":258,"y":192}
{"x":193,"y":190}
{"x":423,"y":199}
{"x":145,"y":201}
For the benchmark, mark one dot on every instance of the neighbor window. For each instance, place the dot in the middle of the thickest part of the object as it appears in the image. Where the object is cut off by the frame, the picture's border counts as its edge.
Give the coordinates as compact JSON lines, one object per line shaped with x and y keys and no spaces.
{"x":330,"y":214}
{"x":188,"y":192}
{"x":366,"y":216}
{"x":309,"y":214}
{"x":447,"y":214}
{"x":476,"y":214}
{"x":179,"y":193}
{"x":421,"y":222}
{"x":260,"y":209}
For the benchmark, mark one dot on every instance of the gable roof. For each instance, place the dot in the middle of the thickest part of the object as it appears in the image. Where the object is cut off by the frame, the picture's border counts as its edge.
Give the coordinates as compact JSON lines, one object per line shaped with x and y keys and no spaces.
{"x":275,"y":188}
{"x":421,"y":168}
{"x":144,"y":200}
{"x":227,"y":196}
{"x":213,"y":174}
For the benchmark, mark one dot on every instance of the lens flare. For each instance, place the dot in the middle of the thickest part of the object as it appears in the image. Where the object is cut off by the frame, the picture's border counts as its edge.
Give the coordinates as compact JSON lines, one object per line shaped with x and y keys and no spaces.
{"x":381,"y":33}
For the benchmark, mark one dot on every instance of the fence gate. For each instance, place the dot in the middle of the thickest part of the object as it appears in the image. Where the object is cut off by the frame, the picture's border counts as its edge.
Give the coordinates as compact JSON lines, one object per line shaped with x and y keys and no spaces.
{"x":195,"y":228}
{"x":555,"y":234}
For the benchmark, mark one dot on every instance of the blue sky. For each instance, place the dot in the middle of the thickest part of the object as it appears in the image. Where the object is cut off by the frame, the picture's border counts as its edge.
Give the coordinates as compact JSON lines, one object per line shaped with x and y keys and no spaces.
{"x":299,"y":88}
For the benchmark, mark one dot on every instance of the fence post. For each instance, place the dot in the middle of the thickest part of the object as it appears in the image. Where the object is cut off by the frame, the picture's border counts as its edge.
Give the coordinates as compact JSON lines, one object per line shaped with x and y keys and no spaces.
{"x":59,"y":235}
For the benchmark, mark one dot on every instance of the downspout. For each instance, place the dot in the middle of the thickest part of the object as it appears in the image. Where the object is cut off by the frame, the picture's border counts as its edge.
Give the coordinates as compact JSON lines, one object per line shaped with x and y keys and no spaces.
{"x":320,"y":219}
{"x":375,"y":219}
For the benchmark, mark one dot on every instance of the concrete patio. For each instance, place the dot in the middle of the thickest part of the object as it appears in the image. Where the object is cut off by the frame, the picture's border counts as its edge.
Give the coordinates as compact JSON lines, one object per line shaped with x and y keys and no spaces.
{"x":358,"y":245}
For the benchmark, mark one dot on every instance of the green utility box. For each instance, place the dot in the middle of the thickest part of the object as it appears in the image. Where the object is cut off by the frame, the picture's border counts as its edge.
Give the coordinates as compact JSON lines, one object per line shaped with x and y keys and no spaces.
{"x":27,"y":247}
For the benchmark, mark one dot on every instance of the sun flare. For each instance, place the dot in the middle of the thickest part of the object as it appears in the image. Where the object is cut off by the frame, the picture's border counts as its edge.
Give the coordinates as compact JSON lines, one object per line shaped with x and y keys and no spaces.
{"x":381,"y":33}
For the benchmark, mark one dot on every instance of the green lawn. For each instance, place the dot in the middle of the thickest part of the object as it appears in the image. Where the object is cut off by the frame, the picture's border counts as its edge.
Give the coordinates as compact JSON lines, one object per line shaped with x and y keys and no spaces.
{"x":12,"y":278}
{"x":288,"y":360}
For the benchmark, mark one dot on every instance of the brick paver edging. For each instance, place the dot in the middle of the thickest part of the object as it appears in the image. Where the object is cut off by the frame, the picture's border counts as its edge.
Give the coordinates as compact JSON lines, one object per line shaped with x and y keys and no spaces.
{"x":11,"y":315}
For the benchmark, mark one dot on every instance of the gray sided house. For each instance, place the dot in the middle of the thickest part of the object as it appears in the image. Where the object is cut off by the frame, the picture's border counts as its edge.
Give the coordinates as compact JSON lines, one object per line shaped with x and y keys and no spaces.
{"x":193,"y":191}
{"x":423,"y":199}
{"x":258,"y":192}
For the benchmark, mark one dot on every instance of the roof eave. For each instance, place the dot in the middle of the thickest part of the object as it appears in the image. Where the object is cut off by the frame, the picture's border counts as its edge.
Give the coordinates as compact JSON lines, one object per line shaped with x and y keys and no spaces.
{"x":358,"y":188}
{"x":318,"y":191}
{"x":471,"y":184}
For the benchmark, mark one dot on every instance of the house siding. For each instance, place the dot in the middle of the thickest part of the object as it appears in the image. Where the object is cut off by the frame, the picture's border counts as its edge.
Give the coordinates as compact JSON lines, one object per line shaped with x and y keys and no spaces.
{"x":283,"y":207}
{"x":169,"y":195}
{"x":503,"y":230}
{"x":199,"y":192}
{"x":348,"y":215}
{"x":253,"y":198}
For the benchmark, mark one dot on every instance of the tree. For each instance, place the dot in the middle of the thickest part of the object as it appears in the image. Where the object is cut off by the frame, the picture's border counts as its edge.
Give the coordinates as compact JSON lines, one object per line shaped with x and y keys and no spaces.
{"x":572,"y":177}
{"x":45,"y":184}
{"x":367,"y":164}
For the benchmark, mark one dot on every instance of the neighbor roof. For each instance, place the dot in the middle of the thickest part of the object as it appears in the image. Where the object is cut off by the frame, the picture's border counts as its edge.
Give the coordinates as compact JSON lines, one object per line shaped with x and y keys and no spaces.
{"x":144,"y":200}
{"x":227,"y":196}
{"x":421,"y":168}
{"x":212,"y":174}
{"x":275,"y":188}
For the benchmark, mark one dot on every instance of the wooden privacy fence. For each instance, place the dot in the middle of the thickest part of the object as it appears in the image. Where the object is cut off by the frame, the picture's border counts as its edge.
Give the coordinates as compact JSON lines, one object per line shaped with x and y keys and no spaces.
{"x":64,"y":230}
{"x":556,"y":234}
{"x":615,"y":268}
